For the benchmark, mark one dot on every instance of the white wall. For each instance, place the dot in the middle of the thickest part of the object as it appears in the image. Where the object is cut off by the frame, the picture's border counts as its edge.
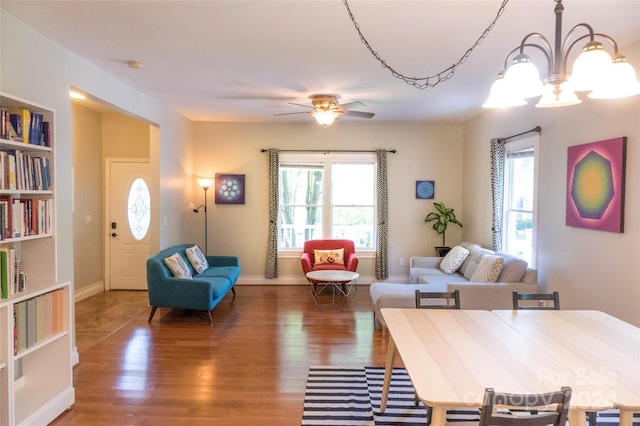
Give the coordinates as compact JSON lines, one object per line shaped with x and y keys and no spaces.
{"x":591,"y":269}
{"x":36,"y":69}
{"x":425,"y":152}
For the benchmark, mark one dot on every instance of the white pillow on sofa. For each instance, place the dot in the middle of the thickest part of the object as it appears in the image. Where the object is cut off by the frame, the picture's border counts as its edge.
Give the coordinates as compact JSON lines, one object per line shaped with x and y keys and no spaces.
{"x":177,"y":266}
{"x":488,"y":270}
{"x":454,"y":259}
{"x":197,"y":259}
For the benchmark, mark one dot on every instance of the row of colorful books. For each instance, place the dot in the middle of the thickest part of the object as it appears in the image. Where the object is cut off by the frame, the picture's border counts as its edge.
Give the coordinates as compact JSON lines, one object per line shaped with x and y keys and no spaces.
{"x":12,"y":278}
{"x":37,"y":319}
{"x":20,"y":171}
{"x":22,"y":125}
{"x":23,"y":217}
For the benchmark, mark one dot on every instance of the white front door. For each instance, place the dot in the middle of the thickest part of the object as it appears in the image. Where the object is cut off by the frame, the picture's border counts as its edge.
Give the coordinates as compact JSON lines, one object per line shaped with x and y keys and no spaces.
{"x":128,"y":224}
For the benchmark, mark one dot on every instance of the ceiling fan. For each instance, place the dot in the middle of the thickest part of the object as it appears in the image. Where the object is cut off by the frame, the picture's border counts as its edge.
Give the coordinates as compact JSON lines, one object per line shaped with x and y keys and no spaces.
{"x":326,"y":108}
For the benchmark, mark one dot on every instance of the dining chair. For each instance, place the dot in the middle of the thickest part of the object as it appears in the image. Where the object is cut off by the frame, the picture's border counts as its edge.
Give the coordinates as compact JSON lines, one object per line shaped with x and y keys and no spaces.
{"x":541,"y":298}
{"x":537,"y":407}
{"x":425,"y":300}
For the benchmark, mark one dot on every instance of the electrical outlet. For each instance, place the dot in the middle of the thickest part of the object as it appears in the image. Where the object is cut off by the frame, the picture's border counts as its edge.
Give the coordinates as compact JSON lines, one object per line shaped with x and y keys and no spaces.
{"x":401,"y":261}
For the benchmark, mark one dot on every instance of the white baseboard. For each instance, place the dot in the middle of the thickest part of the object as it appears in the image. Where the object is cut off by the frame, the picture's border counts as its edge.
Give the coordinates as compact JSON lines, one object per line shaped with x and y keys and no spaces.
{"x":88,"y":291}
{"x":300,"y":280}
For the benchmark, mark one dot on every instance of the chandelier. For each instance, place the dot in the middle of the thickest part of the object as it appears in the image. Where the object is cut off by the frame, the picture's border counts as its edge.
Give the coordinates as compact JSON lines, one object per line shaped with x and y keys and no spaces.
{"x":604,"y":76}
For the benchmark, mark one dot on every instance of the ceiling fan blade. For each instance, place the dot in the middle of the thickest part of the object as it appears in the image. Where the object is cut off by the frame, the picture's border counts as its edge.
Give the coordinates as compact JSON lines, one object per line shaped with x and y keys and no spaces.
{"x":290,"y":113}
{"x":302,"y":105}
{"x":359,"y":114}
{"x":354,"y":104}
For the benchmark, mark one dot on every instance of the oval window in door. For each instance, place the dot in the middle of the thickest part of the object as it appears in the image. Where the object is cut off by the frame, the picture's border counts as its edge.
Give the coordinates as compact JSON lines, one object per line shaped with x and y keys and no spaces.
{"x":139,"y":209}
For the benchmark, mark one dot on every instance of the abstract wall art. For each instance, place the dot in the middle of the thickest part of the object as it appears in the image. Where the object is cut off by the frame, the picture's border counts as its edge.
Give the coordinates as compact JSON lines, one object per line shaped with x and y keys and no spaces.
{"x":425,"y":189}
{"x":595,"y":185}
{"x":229,"y":189}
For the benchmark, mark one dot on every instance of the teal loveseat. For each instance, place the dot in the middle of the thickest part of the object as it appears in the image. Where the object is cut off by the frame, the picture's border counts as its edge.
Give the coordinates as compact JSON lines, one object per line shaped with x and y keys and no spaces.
{"x":203,"y":292}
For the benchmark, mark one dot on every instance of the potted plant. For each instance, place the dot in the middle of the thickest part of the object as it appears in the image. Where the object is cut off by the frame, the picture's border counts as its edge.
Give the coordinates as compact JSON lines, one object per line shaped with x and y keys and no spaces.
{"x":442,"y":217}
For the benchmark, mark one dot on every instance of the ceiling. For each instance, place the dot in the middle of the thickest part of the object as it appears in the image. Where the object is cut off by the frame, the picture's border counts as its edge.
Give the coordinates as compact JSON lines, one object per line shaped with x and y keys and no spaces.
{"x":244,"y":61}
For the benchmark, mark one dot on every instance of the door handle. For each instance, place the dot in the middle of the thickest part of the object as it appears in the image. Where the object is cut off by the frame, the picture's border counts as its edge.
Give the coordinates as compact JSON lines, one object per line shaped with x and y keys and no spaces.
{"x":113,"y":234}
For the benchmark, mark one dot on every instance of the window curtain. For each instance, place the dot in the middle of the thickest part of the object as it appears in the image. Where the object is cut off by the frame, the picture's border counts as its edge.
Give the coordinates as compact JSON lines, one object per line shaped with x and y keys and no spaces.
{"x":497,"y":190}
{"x":382,"y":208}
{"x":271,"y":267}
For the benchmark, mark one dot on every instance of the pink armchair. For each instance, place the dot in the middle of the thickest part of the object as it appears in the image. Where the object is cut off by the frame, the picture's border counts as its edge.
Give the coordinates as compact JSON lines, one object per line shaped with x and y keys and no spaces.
{"x":308,"y":256}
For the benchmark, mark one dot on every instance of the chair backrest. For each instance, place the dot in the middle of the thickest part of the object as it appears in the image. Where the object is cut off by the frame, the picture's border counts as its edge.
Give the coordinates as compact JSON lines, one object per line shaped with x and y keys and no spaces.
{"x":539,"y":406}
{"x":539,"y":297}
{"x":328,"y":244}
{"x":423,"y":300}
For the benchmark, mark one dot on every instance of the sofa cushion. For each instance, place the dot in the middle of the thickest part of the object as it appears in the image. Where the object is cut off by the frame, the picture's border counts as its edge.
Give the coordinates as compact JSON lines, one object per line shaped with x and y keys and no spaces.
{"x":476,"y":253}
{"x":442,"y":280}
{"x":513,"y":269}
{"x":334,"y":256}
{"x":177,"y":266}
{"x":488,"y":269}
{"x":197,"y":259}
{"x":454,"y":259}
{"x":231,"y":273}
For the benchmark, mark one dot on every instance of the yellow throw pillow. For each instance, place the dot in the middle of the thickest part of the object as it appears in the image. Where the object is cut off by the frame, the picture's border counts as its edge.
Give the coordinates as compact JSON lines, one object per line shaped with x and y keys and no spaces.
{"x":329,"y":256}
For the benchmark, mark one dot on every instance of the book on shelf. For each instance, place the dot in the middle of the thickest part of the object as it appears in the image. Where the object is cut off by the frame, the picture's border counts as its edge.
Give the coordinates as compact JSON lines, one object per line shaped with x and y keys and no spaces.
{"x":23,"y":125}
{"x":37,"y":319}
{"x":31,"y":322}
{"x":8,"y":277}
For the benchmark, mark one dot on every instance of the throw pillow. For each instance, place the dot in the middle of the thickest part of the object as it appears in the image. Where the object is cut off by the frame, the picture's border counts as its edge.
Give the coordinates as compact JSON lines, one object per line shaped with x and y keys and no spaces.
{"x":513,"y":270}
{"x":197,"y":259}
{"x":329,"y":256}
{"x":177,"y":266}
{"x":454,"y":259}
{"x":488,"y":269}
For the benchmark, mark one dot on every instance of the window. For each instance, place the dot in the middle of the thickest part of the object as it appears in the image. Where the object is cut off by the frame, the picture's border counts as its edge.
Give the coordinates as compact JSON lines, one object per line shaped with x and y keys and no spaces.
{"x":520,"y":195}
{"x":326,"y":196}
{"x":138,"y":211}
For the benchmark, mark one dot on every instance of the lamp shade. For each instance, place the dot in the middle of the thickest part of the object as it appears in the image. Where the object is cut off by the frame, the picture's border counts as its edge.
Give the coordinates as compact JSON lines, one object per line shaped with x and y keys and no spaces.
{"x":324,"y":117}
{"x":619,"y":83}
{"x":557,"y":95}
{"x":205,"y":183}
{"x":590,"y":67}
{"x":523,"y":77}
{"x":501,"y":95}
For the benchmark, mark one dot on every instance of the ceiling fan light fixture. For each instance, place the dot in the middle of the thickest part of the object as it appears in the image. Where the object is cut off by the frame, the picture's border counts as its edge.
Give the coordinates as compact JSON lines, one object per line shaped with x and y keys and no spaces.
{"x":325,"y":117}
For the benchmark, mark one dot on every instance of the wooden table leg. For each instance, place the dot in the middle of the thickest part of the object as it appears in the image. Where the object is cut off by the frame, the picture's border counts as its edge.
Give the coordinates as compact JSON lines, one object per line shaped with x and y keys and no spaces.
{"x":626,"y":417}
{"x":577,"y":417}
{"x":439,"y":415}
{"x":388,"y":371}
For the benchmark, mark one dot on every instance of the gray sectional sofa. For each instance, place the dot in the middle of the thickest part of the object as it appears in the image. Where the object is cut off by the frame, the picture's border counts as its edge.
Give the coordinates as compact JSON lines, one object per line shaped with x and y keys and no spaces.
{"x":426,"y":275}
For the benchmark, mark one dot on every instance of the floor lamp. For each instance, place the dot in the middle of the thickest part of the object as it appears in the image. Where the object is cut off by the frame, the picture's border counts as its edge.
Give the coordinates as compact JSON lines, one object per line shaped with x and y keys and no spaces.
{"x":205,"y":184}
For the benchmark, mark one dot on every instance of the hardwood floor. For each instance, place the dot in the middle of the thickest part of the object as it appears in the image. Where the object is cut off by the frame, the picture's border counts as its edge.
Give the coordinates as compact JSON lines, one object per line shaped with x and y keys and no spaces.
{"x":248,"y":368}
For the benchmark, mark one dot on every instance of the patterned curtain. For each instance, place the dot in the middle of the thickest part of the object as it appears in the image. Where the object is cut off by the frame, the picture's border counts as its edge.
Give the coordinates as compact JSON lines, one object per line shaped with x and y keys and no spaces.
{"x":497,"y":189}
{"x":382,"y":207}
{"x":271,"y":267}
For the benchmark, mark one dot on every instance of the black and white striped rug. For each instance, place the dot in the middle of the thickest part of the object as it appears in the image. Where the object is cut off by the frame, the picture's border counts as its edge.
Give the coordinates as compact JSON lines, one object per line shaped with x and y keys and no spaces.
{"x":341,"y":396}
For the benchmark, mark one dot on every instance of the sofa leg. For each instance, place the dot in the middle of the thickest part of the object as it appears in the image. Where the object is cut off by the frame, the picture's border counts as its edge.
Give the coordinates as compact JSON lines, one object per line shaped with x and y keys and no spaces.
{"x":153,"y":311}
{"x":233,"y":289}
{"x":210,"y":319}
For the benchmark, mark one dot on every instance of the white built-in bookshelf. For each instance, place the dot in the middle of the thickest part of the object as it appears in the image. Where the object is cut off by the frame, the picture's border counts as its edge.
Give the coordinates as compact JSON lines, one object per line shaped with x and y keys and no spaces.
{"x":36,"y":382}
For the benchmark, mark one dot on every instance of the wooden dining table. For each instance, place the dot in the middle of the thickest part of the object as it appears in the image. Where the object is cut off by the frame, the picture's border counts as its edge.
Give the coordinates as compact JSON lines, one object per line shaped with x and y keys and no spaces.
{"x":452,"y":355}
{"x":600,"y":349}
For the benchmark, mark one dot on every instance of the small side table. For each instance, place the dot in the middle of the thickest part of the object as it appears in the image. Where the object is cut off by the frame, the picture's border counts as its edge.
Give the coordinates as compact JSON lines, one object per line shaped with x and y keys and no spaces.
{"x":343,"y":281}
